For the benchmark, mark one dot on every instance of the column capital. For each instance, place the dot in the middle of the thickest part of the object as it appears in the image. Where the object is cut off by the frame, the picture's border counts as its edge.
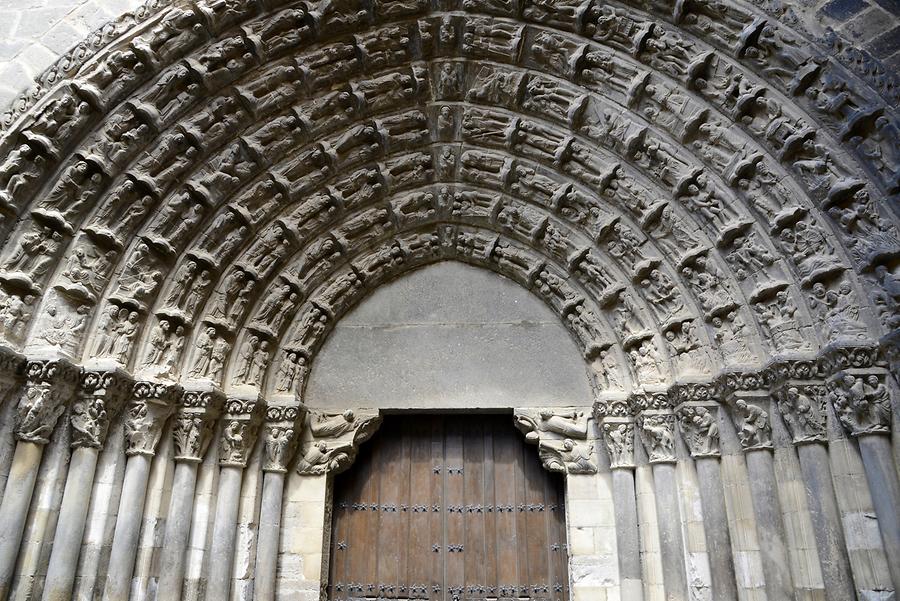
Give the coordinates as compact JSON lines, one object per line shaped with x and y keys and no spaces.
{"x":656,"y":424}
{"x":697,"y":413}
{"x":798,"y":389}
{"x":281,"y":433}
{"x":563,"y":437}
{"x":49,"y":385}
{"x":240,"y":426}
{"x":616,"y":420}
{"x":861,"y":399}
{"x":194,"y":422}
{"x":330,"y":441}
{"x":101,"y":395}
{"x":747,"y":393}
{"x":151,"y":405}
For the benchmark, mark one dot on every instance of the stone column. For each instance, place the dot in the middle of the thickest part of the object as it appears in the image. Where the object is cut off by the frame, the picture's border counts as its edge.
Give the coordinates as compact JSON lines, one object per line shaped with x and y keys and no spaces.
{"x":862,"y":401}
{"x":750,"y":401}
{"x":800,"y":396}
{"x":151,"y":406}
{"x":698,"y":420}
{"x":48,"y":387}
{"x":656,"y":426}
{"x":240,"y":427}
{"x":280,"y":435}
{"x":192,"y":430}
{"x":617,"y":425}
{"x":100,"y":396}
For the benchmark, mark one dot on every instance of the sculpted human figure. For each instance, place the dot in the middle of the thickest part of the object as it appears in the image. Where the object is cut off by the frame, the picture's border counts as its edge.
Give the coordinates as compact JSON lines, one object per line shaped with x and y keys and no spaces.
{"x":158,"y":343}
{"x":572,"y":424}
{"x":754,"y":430}
{"x":258,"y":363}
{"x":15,"y":312}
{"x":621,"y":444}
{"x":324,"y":426}
{"x":126,"y":332}
{"x":245,"y":357}
{"x":288,"y":371}
{"x":205,"y":344}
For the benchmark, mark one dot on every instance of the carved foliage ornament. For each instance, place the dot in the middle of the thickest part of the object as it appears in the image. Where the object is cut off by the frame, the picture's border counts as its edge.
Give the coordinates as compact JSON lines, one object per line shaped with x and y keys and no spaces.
{"x":194,"y":423}
{"x":563,"y":437}
{"x":330,"y":441}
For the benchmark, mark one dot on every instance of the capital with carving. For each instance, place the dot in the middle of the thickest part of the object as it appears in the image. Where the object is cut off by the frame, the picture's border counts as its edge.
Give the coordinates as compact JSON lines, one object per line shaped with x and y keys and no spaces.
{"x":101,"y":394}
{"x":616,"y":421}
{"x":281,"y":435}
{"x":152,"y":403}
{"x":861,"y":399}
{"x":656,"y":425}
{"x":240,"y":426}
{"x":697,"y":413}
{"x":799,"y":392}
{"x":194,"y":422}
{"x":49,"y":385}
{"x":563,"y":436}
{"x":330,"y":442}
{"x":12,"y":371}
{"x":748,"y":396}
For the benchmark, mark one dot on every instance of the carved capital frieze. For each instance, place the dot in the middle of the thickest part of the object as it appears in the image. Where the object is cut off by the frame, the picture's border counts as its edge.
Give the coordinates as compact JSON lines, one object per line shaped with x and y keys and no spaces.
{"x":240,"y":427}
{"x":330,"y":441}
{"x":747,"y":394}
{"x":798,"y":390}
{"x":835,"y":358}
{"x":49,"y":385}
{"x":194,"y":422}
{"x":697,"y":413}
{"x":616,"y":421}
{"x":861,"y":399}
{"x":281,"y":435}
{"x":101,"y":395}
{"x":563,"y":436}
{"x":152,"y":403}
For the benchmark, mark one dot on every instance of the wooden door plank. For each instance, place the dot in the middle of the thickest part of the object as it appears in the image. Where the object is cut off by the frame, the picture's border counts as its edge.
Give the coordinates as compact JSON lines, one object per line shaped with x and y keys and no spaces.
{"x":407,"y":434}
{"x":388,"y":515}
{"x":473,"y":487}
{"x":506,"y":454}
{"x":345,"y":490}
{"x":490,"y":515}
{"x":536,"y":517}
{"x":454,"y":551}
{"x":522,"y":531}
{"x":438,"y":534}
{"x":421,"y":497}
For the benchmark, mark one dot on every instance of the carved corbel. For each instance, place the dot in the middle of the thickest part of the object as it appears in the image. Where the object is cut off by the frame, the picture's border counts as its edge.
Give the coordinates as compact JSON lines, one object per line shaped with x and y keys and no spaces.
{"x":798,"y":389}
{"x":616,"y":421}
{"x":281,"y":435}
{"x":152,"y":403}
{"x":12,"y":371}
{"x":101,"y":396}
{"x":656,"y":425}
{"x":239,"y":430}
{"x":748,"y":396}
{"x":697,"y":413}
{"x":194,"y":423}
{"x":330,"y":441}
{"x":563,"y":436}
{"x":49,"y":385}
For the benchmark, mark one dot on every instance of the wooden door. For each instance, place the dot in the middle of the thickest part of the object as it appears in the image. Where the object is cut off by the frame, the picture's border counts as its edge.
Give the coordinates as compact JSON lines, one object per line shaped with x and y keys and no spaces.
{"x":448,"y":508}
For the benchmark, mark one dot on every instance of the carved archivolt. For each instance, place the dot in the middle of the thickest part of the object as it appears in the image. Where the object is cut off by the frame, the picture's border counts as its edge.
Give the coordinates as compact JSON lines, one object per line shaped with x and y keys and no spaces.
{"x":690,"y":191}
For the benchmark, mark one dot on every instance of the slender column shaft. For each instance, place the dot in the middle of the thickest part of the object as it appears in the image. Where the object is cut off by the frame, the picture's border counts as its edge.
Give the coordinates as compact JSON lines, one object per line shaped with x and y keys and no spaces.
{"x":178,"y":528}
{"x":70,"y":526}
{"x":628,"y":540}
{"x":128,"y":529}
{"x":269,"y":529}
{"x":718,"y":537}
{"x":770,"y":525}
{"x":885,"y":487}
{"x":671,"y":540}
{"x":222,"y":547}
{"x":14,"y":508}
{"x":826,"y":518}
